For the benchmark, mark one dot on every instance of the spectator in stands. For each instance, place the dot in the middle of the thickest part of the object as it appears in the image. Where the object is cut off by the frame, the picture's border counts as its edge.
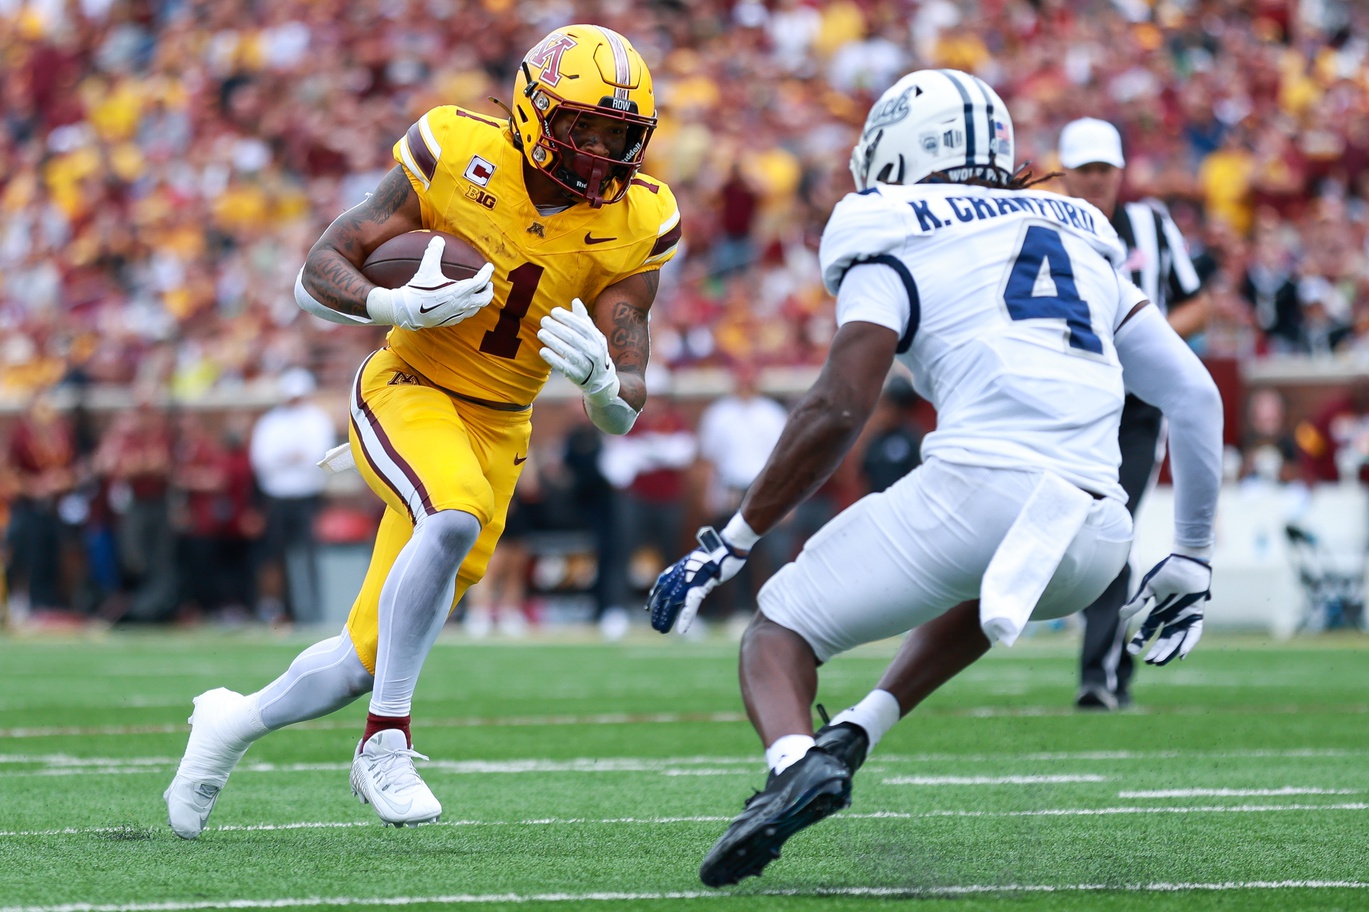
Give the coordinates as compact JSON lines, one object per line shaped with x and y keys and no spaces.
{"x":1270,"y":287}
{"x":1269,"y":452}
{"x":286,"y":444}
{"x":216,"y":520}
{"x":499,"y":600}
{"x":595,"y":503}
{"x":736,"y":434}
{"x":42,"y":454}
{"x":895,"y":444}
{"x":649,"y":468}
{"x":1334,"y":446}
{"x":135,"y":458}
{"x":734,"y":245}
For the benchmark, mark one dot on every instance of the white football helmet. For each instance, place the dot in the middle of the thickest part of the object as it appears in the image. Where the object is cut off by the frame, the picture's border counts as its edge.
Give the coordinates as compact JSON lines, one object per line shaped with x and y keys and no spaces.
{"x":935,"y":122}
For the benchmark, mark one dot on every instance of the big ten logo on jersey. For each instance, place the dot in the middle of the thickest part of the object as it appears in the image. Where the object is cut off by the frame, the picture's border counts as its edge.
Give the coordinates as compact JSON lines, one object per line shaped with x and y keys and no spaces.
{"x":482,"y":197}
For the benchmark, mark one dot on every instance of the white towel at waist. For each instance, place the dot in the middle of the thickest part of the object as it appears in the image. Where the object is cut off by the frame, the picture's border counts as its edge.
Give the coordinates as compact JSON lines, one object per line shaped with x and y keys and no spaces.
{"x":338,"y":459}
{"x":1028,"y":556}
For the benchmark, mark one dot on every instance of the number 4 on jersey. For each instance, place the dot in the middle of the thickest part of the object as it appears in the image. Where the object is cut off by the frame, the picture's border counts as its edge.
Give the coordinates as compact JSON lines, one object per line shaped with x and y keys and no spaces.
{"x":1042,"y":245}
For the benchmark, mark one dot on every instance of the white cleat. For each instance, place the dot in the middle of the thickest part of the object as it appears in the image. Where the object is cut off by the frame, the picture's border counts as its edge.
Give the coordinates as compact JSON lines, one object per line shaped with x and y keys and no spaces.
{"x":214,"y":748}
{"x":384,"y":777}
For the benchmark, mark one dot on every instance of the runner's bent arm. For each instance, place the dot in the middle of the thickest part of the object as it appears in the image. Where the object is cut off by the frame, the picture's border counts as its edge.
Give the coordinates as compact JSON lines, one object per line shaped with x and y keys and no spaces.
{"x":332,"y":270}
{"x":620,"y":313}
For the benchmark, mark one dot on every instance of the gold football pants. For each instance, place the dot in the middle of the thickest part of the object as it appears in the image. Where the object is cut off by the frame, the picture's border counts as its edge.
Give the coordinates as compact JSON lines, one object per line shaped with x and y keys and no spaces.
{"x":422,"y":450}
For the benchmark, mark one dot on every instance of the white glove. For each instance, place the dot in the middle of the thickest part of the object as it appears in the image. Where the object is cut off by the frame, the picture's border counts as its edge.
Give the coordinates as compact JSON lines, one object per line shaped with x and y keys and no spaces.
{"x":576,"y":348}
{"x":430,"y":298}
{"x":1179,"y":585}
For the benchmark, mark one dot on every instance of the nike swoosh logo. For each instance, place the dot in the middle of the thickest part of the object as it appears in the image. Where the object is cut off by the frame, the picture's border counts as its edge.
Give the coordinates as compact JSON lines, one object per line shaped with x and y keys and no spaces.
{"x":519,"y":460}
{"x":423,"y":310}
{"x":595,"y":240}
{"x":591,"y":374}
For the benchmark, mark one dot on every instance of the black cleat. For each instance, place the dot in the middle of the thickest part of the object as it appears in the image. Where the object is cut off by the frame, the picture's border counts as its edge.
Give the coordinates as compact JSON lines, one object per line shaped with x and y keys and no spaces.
{"x":846,"y":741}
{"x":815,"y":787}
{"x":1095,"y":699}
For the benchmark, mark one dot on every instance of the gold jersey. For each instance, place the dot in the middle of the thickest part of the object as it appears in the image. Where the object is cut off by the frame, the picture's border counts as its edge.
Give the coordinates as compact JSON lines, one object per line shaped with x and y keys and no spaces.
{"x":469,"y":178}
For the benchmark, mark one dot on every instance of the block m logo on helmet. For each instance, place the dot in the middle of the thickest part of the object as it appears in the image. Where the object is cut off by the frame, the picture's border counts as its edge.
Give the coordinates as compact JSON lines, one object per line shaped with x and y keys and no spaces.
{"x":547,"y":56}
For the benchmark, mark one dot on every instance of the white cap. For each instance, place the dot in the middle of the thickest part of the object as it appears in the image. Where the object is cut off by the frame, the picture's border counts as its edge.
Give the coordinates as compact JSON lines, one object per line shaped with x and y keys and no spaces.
{"x":295,"y":383}
{"x":1090,"y":140}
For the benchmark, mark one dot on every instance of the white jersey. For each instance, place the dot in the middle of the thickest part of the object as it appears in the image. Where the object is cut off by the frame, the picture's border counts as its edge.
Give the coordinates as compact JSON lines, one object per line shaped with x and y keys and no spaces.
{"x":1006,"y":303}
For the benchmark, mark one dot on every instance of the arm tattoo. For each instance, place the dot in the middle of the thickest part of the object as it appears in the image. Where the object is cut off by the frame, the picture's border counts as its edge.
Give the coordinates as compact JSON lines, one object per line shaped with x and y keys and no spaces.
{"x":626,"y":305}
{"x":629,"y":338}
{"x":332,"y":269}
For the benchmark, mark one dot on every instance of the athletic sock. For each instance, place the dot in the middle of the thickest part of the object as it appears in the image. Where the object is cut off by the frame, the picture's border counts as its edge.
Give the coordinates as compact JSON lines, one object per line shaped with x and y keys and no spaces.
{"x":251,"y":727}
{"x":376,"y":723}
{"x":786,"y":751}
{"x":876,"y":714}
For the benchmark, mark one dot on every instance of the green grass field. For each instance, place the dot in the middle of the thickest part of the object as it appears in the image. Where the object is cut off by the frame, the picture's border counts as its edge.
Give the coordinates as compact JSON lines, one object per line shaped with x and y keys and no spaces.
{"x":579,"y":776}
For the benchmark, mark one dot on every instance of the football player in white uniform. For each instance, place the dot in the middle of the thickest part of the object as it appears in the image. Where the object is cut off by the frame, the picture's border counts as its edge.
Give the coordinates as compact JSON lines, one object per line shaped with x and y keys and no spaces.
{"x":1008,"y":307}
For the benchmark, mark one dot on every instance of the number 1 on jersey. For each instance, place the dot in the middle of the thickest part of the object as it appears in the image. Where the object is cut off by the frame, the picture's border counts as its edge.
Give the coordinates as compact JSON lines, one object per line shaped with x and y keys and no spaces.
{"x":503,"y":341}
{"x":1042,"y":245}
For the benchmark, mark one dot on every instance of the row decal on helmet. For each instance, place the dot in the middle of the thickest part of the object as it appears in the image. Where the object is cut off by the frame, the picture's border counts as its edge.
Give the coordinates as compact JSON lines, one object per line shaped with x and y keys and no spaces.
{"x":969,"y":114}
{"x":622,"y":71}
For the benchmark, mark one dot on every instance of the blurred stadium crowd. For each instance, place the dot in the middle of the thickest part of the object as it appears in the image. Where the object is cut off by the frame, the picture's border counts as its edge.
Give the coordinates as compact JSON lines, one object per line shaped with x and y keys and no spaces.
{"x":165,"y":164}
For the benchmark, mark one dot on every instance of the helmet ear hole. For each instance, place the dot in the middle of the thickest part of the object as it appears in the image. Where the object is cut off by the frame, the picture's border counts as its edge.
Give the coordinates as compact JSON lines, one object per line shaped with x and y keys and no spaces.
{"x":887,"y":175}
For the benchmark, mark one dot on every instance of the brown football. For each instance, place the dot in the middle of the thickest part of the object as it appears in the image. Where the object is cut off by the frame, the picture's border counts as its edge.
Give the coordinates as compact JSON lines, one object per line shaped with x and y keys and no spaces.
{"x":394,"y":262}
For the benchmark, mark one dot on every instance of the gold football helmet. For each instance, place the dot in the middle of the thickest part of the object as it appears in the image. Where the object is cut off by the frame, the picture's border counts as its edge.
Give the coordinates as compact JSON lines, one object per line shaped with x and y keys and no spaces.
{"x":577,"y":72}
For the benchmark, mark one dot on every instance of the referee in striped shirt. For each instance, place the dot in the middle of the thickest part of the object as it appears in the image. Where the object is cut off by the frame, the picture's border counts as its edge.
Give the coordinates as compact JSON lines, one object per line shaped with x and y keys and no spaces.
{"x":1091,"y":154}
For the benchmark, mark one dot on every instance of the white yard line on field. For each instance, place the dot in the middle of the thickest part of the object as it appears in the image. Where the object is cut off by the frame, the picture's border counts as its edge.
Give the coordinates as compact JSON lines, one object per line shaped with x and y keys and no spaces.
{"x":68,"y":731}
{"x":990,"y":780}
{"x":874,"y":815}
{"x":1053,"y":756}
{"x":518,"y":898}
{"x":63,"y":764}
{"x":1236,"y":793}
{"x":976,"y":712}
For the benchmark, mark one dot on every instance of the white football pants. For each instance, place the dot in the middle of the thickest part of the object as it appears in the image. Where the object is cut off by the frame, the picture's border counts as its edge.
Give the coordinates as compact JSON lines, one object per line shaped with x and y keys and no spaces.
{"x":906,"y":555}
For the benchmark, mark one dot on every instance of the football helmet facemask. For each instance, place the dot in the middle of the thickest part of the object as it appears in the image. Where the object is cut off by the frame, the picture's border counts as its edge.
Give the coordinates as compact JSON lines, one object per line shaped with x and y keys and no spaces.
{"x":935,"y":122}
{"x":576,"y":71}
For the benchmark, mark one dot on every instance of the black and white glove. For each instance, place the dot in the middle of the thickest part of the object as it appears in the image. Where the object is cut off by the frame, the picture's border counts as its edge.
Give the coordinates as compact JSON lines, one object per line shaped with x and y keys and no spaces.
{"x":681,"y":587}
{"x":1178,"y":585}
{"x":575,"y":347}
{"x":430,"y":298}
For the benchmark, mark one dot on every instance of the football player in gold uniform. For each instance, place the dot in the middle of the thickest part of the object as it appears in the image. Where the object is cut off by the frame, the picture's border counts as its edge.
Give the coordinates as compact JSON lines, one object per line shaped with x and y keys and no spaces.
{"x":574,"y":238}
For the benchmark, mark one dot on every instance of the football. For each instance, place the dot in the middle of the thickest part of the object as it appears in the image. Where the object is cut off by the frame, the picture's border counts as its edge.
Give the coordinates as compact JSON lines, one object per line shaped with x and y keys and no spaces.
{"x":394,"y":262}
